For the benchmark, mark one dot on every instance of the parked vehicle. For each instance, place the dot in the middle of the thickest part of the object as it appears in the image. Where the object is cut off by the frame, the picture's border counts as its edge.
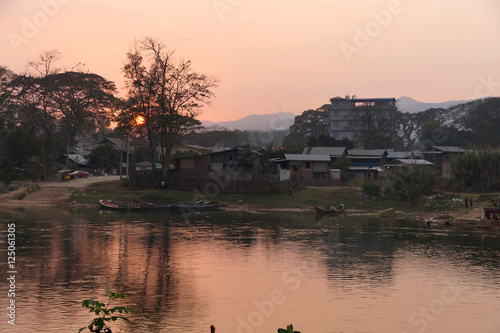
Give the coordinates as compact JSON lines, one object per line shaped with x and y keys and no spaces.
{"x":80,"y":174}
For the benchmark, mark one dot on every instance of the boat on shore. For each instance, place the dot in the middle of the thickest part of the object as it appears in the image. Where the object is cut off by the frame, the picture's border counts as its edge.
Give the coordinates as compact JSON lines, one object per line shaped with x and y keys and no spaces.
{"x":330,"y":209}
{"x":197,"y":206}
{"x":108,"y":204}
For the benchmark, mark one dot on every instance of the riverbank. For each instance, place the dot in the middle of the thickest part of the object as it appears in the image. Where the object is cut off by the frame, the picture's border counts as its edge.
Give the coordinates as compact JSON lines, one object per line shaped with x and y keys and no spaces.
{"x":85,"y":192}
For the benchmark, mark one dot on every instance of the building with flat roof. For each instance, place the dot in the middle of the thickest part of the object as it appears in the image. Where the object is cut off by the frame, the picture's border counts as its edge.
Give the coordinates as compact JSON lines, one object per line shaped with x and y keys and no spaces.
{"x":351,"y":116}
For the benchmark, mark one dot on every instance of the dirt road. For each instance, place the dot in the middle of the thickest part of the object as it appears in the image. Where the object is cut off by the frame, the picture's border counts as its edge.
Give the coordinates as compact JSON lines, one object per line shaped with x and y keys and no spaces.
{"x":50,"y":193}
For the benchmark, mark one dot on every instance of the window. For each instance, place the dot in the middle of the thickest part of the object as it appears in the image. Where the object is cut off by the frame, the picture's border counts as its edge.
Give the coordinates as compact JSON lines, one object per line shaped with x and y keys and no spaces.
{"x":335,"y":124}
{"x":308,"y":165}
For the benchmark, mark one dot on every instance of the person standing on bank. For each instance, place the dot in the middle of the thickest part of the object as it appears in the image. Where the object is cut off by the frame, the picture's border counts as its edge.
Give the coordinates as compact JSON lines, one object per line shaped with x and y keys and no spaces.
{"x":466,"y":202}
{"x":470,"y":202}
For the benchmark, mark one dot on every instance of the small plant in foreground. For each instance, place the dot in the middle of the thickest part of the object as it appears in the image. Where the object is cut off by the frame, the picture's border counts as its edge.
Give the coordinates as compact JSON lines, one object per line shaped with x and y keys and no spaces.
{"x":104,"y":313}
{"x":289,"y":329}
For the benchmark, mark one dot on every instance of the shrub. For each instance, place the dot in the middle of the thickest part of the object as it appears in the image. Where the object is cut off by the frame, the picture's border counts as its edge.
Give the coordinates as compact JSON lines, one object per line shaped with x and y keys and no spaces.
{"x":371,"y":187}
{"x":411,"y":184}
{"x":478,"y":170}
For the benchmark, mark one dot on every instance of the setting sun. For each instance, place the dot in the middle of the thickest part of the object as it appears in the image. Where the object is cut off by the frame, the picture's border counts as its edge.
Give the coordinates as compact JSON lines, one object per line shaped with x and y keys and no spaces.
{"x":140,"y":120}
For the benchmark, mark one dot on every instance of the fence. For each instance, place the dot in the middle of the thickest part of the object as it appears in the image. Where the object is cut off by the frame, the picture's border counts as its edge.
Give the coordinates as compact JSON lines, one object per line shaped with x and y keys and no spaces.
{"x":213,"y":183}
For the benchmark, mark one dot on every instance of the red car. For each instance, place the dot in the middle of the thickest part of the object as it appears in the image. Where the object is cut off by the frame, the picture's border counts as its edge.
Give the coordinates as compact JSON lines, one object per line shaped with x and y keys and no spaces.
{"x":80,"y":174}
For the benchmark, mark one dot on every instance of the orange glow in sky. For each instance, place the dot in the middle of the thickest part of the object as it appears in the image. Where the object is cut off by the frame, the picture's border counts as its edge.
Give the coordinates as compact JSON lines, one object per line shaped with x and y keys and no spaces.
{"x":275,"y":56}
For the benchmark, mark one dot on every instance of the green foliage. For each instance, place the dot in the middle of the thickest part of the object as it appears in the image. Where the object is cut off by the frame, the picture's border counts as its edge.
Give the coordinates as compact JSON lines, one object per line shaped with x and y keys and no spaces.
{"x":371,"y":187}
{"x":309,"y":123}
{"x":289,"y":329}
{"x":342,"y":164}
{"x":104,"y":313}
{"x":141,"y":154}
{"x":478,"y":170}
{"x":294,"y":149}
{"x":379,"y":141}
{"x":323,"y":140}
{"x":104,"y":157}
{"x":411,"y":184}
{"x":434,"y":133}
{"x":184,"y":153}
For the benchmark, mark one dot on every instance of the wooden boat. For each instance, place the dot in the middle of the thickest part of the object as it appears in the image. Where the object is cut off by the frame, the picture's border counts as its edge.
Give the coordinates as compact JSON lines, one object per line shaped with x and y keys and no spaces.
{"x":108,"y":204}
{"x":330,"y":209}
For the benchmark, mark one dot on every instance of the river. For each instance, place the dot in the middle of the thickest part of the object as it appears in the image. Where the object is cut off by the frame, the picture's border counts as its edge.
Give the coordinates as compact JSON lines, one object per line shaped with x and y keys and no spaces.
{"x":248,"y":272}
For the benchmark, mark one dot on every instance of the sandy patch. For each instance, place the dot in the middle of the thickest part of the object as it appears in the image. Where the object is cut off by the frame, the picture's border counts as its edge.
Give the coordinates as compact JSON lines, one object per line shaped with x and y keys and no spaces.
{"x":54,"y":193}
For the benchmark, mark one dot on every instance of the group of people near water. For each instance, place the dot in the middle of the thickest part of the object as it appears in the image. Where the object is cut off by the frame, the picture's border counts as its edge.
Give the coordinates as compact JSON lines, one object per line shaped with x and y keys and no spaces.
{"x":468,"y":202}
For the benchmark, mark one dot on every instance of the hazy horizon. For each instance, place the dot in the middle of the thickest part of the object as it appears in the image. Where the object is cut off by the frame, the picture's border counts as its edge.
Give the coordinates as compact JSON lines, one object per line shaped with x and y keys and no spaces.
{"x":276,"y":56}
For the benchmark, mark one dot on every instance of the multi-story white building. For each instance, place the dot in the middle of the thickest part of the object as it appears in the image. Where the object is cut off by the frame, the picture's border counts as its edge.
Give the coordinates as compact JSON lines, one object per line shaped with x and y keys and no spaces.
{"x":350,"y":116}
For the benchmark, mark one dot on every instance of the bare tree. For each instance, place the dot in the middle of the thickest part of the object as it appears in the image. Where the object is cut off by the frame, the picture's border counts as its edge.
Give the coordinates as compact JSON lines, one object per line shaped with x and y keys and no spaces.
{"x":166,"y":92}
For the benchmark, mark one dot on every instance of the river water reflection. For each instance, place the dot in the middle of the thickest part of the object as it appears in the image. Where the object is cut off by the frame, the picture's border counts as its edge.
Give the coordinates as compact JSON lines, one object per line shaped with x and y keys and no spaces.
{"x":246,"y":272}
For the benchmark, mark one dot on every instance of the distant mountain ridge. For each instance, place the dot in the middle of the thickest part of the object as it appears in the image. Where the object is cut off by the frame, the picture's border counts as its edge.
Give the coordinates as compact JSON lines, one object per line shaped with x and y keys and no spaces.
{"x":279,"y":121}
{"x":410,"y":105}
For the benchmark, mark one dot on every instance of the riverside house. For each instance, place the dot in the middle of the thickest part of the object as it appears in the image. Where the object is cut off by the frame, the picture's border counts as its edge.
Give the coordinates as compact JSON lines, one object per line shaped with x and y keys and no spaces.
{"x":440,"y":156}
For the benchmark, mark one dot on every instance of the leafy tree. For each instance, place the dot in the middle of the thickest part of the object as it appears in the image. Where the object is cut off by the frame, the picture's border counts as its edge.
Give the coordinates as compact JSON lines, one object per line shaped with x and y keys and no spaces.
{"x":216,"y":137}
{"x":309,"y":123}
{"x":478,"y":169}
{"x":379,"y":141}
{"x":323,"y":140}
{"x":435,"y":134}
{"x":31,"y":103}
{"x":166,"y":92}
{"x":342,"y":164}
{"x":104,"y":157}
{"x":480,"y":113}
{"x":294,"y":149}
{"x":489,"y":134}
{"x":141,"y":154}
{"x":411,"y":184}
{"x":84,"y":101}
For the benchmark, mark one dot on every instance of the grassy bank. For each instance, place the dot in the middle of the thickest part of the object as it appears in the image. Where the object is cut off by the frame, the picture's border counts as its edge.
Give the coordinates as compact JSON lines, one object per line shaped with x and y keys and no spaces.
{"x":305,"y":198}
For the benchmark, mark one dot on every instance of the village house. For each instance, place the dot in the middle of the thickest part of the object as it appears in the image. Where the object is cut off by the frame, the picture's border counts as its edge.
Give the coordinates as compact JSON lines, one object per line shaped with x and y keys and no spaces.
{"x":440,"y":156}
{"x":406,"y":163}
{"x":237,"y":162}
{"x":333,"y":152}
{"x":367,"y":163}
{"x":190,"y":148}
{"x":306,"y":166}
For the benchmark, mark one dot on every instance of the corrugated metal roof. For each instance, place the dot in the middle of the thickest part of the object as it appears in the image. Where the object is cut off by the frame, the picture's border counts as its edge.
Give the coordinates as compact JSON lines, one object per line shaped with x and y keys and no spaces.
{"x":399,"y":154}
{"x":78,"y":159}
{"x":366,"y":152}
{"x":410,"y":161}
{"x":449,"y":149}
{"x":331,"y":151}
{"x":307,"y":157}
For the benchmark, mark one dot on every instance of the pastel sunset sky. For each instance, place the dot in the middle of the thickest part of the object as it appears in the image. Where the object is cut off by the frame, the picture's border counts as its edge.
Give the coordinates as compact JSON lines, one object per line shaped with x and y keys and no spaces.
{"x":276,"y":55}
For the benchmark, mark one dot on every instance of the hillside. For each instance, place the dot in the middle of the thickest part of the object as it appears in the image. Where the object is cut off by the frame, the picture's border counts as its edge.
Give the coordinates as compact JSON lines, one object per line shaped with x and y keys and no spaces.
{"x":276,"y":121}
{"x":410,"y":105}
